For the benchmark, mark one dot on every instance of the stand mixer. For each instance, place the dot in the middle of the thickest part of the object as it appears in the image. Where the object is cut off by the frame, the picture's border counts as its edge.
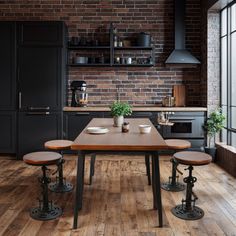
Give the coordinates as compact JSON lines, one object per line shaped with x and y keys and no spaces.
{"x":79,"y":95}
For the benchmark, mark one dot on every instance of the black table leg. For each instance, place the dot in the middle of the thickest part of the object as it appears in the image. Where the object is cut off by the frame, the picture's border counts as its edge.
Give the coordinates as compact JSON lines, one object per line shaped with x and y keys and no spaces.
{"x":79,"y":187}
{"x":154,"y":185}
{"x":92,"y":163}
{"x":147,"y":163}
{"x":157,"y":184}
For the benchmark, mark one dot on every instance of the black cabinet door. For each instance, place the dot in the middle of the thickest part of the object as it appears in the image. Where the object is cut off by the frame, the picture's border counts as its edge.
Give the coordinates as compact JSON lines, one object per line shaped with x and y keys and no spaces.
{"x":7,"y":66}
{"x":7,"y":132}
{"x":40,"y":77}
{"x":41,"y":33}
{"x":35,"y":128}
{"x":75,"y":122}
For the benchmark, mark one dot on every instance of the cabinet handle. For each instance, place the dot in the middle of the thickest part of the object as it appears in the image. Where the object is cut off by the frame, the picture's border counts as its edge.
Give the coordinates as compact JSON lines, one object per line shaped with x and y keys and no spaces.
{"x":82,"y":114}
{"x":19,"y":100}
{"x":39,"y":108}
{"x":38,"y":113}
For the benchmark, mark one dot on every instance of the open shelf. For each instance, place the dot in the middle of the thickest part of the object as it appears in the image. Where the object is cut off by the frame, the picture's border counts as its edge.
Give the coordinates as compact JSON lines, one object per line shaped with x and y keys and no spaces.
{"x":133,"y":48}
{"x":132,"y":65}
{"x":112,"y":52}
{"x":88,"y":47}
{"x":89,"y":65}
{"x":109,"y":65}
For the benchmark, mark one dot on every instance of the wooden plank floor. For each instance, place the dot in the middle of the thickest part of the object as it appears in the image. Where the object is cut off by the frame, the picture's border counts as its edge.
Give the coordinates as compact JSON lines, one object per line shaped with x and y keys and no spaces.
{"x":119,"y":202}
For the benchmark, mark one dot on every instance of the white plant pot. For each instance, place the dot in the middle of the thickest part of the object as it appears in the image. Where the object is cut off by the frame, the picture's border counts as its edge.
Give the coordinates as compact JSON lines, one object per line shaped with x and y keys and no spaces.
{"x":118,"y":121}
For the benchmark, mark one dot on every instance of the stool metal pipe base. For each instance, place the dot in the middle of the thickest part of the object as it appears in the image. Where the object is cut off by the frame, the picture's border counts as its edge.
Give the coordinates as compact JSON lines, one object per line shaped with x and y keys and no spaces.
{"x":187,"y":210}
{"x":173,"y":185}
{"x":46,"y":210}
{"x":60,"y":186}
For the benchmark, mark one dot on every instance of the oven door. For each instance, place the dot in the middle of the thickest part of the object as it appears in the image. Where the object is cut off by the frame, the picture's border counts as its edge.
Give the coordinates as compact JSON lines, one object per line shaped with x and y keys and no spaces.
{"x":184,"y":127}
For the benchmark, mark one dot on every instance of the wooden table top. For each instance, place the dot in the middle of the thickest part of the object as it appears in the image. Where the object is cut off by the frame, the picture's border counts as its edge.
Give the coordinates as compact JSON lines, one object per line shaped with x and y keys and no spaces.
{"x":115,"y":140}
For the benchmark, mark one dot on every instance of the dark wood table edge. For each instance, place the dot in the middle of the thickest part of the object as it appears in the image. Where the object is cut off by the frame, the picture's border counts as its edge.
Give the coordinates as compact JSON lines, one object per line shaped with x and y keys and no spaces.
{"x":156,"y":186}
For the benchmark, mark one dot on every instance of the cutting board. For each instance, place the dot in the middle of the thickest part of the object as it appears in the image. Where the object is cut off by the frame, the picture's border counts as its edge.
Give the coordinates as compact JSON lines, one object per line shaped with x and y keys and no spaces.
{"x":179,"y":93}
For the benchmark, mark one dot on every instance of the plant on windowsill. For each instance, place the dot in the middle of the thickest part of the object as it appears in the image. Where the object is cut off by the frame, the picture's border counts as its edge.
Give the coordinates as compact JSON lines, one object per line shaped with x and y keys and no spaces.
{"x":214,"y":124}
{"x":118,"y":111}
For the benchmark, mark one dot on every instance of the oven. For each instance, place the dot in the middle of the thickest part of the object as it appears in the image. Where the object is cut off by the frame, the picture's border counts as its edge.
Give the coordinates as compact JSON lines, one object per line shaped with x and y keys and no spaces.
{"x":184,"y":127}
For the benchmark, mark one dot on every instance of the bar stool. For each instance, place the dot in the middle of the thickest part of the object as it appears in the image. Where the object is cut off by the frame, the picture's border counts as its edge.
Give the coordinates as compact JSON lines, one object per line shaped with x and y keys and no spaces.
{"x":174,"y":185}
{"x":60,"y":185}
{"x":46,"y":210}
{"x":187,"y":210}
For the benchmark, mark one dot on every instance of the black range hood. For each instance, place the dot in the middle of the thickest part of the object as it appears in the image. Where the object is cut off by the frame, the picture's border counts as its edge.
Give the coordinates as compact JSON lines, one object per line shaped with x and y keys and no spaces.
{"x":180,"y":55}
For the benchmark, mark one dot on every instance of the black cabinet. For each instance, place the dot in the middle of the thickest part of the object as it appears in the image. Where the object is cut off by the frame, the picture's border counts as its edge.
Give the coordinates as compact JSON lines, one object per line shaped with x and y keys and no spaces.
{"x":40,"y":77}
{"x":7,"y":66}
{"x":43,"y":33}
{"x":8,"y":131}
{"x":8,"y":87}
{"x":35,"y":128}
{"x":32,"y":59}
{"x":75,"y":122}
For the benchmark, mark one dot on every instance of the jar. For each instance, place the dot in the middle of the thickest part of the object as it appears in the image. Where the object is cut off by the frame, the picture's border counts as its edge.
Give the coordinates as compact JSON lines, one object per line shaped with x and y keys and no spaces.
{"x":125,"y":127}
{"x":117,"y":60}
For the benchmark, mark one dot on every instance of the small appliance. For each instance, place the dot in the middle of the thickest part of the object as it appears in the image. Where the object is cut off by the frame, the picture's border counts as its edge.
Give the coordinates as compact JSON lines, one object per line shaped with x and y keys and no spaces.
{"x":79,"y":94}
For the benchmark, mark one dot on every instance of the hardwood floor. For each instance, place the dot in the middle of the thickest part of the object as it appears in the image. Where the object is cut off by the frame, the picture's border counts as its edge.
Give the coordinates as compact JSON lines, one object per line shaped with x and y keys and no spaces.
{"x":119,"y":202}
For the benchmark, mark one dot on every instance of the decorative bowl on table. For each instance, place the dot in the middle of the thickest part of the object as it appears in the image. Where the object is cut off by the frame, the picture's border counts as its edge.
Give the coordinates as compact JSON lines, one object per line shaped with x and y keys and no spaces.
{"x":144,"y":129}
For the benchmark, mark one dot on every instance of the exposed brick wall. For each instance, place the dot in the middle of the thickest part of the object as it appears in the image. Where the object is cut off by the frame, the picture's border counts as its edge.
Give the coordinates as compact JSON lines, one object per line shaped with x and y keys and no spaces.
{"x":137,"y":85}
{"x":213,"y":61}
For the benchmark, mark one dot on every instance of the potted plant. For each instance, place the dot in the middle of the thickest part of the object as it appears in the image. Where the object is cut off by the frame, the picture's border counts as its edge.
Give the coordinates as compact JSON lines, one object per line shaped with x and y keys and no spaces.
{"x":214,"y":125}
{"x":118,"y":111}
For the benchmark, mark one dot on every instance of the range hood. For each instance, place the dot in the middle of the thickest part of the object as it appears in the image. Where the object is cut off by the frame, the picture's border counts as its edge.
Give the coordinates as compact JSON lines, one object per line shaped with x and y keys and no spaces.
{"x":180,"y":55}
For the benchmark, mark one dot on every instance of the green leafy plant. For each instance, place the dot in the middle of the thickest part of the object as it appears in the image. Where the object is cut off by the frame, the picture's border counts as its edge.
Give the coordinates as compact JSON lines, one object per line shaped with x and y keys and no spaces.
{"x":120,"y":109}
{"x":214,"y":124}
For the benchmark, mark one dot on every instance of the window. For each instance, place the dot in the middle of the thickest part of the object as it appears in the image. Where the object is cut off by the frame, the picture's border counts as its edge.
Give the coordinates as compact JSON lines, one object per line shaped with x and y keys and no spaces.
{"x":228,"y":72}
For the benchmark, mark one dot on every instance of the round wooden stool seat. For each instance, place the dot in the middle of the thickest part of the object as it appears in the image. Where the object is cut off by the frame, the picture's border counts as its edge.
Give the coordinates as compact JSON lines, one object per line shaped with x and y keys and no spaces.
{"x":42,"y":158}
{"x":177,"y":144}
{"x":192,"y":158}
{"x":58,"y":144}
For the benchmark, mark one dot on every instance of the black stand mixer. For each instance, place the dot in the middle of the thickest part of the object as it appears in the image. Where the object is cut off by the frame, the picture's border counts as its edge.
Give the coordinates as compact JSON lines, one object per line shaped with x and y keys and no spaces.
{"x":79,"y":95}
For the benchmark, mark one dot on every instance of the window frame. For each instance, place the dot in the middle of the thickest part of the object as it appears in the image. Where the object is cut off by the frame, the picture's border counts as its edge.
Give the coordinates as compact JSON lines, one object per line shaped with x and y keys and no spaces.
{"x":228,"y":127}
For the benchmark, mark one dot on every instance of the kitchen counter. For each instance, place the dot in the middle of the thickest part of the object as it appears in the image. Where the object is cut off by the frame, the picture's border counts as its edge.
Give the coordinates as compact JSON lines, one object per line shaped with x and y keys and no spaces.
{"x":134,"y":108}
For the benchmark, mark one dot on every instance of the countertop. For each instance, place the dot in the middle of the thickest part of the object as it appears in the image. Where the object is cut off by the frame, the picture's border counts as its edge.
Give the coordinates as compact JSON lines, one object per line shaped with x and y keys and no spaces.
{"x":135,"y":108}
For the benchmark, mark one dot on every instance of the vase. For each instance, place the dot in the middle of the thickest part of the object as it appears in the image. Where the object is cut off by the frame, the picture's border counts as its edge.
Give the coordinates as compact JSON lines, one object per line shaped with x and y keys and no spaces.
{"x":118,"y":121}
{"x":211,"y":152}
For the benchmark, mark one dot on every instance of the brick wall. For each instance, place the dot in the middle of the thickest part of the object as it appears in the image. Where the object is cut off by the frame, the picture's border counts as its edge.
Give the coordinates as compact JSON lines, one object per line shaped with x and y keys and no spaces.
{"x":213,"y":61}
{"x":137,"y":85}
{"x":204,"y":48}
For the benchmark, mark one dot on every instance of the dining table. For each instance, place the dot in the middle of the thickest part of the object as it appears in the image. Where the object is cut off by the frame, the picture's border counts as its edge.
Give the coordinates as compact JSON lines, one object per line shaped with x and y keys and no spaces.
{"x":117,"y":142}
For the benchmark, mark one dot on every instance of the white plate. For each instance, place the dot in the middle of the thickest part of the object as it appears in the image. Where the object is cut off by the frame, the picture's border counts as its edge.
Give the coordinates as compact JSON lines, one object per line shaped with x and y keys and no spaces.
{"x":97,"y":130}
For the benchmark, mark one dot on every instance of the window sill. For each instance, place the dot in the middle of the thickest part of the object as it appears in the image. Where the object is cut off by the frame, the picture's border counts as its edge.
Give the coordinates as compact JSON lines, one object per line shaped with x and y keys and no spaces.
{"x":227,"y":147}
